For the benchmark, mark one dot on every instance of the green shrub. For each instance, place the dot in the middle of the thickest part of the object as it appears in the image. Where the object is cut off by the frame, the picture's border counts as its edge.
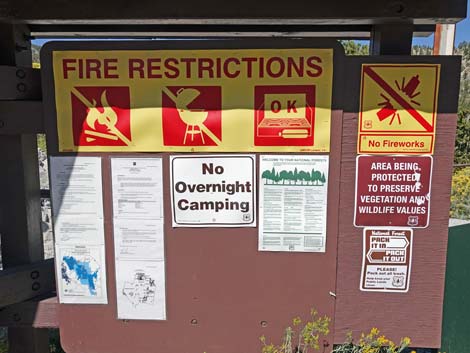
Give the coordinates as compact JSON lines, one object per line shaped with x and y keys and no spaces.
{"x":300,"y":337}
{"x":460,"y":195}
{"x":462,"y":139}
{"x":310,"y":335}
{"x":373,"y":342}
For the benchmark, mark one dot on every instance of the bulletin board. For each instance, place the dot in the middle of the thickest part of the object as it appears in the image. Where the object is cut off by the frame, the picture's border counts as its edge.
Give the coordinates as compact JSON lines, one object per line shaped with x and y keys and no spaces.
{"x":222,"y":292}
{"x":394,"y":116}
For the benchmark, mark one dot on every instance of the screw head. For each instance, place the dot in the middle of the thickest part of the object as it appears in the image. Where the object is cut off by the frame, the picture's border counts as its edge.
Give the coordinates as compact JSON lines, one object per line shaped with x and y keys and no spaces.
{"x":21,"y":87}
{"x":36,"y":286}
{"x":20,"y":73}
{"x":396,"y":7}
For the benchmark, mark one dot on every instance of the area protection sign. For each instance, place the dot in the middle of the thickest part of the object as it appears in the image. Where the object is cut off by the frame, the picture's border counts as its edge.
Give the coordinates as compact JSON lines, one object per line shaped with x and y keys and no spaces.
{"x":393,"y":191}
{"x":213,"y":191}
{"x":193,"y":100}
{"x":398,"y":108}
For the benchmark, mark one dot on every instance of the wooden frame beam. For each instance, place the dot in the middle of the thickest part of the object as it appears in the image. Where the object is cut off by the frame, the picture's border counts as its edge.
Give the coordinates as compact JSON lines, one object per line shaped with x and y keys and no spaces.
{"x":392,"y":39}
{"x":26,"y":282}
{"x":231,"y":12}
{"x":20,"y":83}
{"x":21,"y":117}
{"x":20,"y":210}
{"x":42,"y":313}
{"x":211,"y":30}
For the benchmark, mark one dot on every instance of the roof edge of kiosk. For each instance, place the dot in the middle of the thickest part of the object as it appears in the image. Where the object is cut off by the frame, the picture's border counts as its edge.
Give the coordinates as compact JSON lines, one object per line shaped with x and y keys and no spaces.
{"x":241,"y":12}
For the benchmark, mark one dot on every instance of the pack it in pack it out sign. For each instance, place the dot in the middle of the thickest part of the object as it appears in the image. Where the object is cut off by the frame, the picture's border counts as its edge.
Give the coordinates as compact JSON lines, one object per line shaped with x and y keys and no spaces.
{"x":386,"y":259}
{"x":213,"y":191}
{"x":215,"y":100}
{"x":393,"y":191}
{"x":398,"y":108}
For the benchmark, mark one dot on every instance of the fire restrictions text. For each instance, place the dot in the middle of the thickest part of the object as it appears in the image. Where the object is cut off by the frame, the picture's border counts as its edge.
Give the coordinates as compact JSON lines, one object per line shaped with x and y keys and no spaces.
{"x":191,"y":67}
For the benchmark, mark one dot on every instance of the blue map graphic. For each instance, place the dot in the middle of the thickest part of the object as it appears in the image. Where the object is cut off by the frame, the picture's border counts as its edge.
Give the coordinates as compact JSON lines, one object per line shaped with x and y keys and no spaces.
{"x":82,"y":270}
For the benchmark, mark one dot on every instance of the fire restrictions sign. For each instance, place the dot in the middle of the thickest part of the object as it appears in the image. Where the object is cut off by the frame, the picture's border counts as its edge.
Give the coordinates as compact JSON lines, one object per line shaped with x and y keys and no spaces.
{"x":386,"y":260}
{"x":393,"y":191}
{"x":213,"y":191}
{"x":192,"y":100}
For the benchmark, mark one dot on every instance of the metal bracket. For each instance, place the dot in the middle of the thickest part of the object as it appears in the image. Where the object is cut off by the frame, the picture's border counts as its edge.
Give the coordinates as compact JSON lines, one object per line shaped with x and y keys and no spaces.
{"x":20,"y":83}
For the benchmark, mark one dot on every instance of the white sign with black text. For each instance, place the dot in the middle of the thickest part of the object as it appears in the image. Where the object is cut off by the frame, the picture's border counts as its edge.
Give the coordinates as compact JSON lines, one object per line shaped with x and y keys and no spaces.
{"x":213,"y":191}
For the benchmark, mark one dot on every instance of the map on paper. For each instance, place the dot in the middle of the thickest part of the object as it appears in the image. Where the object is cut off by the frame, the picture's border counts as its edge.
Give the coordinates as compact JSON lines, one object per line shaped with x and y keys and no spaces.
{"x":81,"y":274}
{"x":141,"y":290}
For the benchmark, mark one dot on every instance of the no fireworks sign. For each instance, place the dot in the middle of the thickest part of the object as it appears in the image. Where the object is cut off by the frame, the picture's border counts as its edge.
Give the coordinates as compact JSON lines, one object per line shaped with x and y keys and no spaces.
{"x":398,"y":108}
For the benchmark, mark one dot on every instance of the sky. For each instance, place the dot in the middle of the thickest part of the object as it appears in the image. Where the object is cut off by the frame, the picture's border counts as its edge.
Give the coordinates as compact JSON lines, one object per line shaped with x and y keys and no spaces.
{"x":462,"y":32}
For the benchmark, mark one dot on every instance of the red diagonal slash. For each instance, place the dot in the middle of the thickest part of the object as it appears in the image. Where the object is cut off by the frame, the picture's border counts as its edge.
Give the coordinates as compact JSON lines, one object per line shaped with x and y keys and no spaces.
{"x":381,"y":82}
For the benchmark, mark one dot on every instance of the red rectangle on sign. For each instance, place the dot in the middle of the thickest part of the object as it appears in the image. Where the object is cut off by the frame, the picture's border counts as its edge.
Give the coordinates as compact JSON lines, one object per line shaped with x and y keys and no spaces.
{"x":393,"y":191}
{"x":386,"y":260}
{"x":284,"y":115}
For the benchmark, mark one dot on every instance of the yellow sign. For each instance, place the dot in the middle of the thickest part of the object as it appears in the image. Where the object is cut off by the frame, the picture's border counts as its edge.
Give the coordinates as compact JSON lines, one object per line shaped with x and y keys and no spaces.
{"x":194,"y":100}
{"x":398,"y":108}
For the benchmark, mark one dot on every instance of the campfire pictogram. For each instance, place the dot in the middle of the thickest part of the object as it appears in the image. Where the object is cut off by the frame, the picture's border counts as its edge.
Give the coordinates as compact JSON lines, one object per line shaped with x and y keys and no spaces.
{"x":103,"y":114}
{"x":410,"y":91}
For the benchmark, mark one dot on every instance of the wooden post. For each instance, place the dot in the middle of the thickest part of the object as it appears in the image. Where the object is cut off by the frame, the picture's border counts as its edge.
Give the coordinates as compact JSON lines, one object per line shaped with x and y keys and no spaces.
{"x":391,"y":39}
{"x":20,"y":210}
{"x":444,"y":38}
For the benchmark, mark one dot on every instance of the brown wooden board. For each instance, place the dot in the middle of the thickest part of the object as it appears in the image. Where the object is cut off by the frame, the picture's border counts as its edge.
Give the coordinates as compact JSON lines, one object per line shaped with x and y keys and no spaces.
{"x":222,"y":294}
{"x":418,"y":313}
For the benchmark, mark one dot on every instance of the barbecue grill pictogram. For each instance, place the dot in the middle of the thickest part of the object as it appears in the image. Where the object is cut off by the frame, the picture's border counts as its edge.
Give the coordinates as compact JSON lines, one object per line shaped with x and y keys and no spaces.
{"x":192,"y":116}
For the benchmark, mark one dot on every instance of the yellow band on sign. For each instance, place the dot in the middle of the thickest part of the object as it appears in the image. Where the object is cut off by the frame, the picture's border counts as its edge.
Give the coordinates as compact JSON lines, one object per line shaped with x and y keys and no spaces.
{"x":194,"y":100}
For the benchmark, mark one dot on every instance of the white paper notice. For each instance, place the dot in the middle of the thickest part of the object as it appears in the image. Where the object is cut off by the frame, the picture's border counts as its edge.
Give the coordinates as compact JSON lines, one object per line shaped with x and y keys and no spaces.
{"x":79,"y":230}
{"x":140,"y":289}
{"x":81,"y":274}
{"x":77,"y":208}
{"x":293,"y":203}
{"x":139,"y":238}
{"x":137,"y":188}
{"x":77,"y":201}
{"x":76,"y":186}
{"x":213,"y":191}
